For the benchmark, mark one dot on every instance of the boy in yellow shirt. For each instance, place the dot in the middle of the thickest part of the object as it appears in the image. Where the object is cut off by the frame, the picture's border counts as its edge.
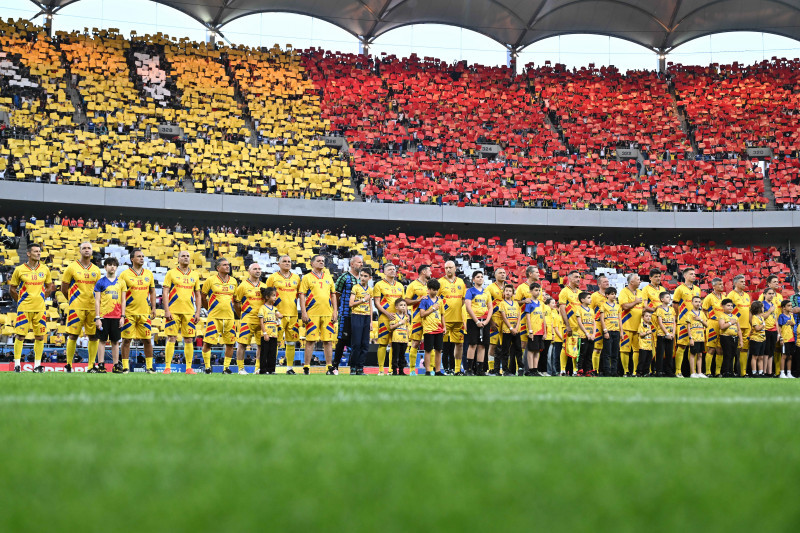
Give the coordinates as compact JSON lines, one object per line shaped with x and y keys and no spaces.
{"x":586,"y":335}
{"x":645,"y":336}
{"x":609,"y":324}
{"x":665,"y":333}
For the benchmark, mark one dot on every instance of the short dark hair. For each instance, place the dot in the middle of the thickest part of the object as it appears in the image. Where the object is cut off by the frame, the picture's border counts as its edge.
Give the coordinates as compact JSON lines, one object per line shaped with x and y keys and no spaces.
{"x":696,"y":297}
{"x":508,"y":286}
{"x":421,"y":268}
{"x":756,"y":307}
{"x":770,"y":278}
{"x":477,"y":273}
{"x":662,"y":294}
{"x":536,"y":286}
{"x":111,"y":260}
{"x":266,"y":292}
{"x":655,"y":271}
{"x":366,"y":270}
{"x":726,"y":301}
{"x":35,"y":245}
{"x":785,"y":303}
{"x":687,"y":269}
{"x":611,"y":290}
{"x":433,"y":284}
{"x":133,"y":252}
{"x":571,"y":272}
{"x":583,"y":295}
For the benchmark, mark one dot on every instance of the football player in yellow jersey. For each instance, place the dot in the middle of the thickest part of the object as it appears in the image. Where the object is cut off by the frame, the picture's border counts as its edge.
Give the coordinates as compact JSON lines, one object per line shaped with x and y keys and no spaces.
{"x":318,"y":309}
{"x":568,"y":304}
{"x":452,"y":291}
{"x":772,"y":350}
{"x":30,"y":286}
{"x":741,"y":308}
{"x":140,"y":308}
{"x":651,"y":293}
{"x":682,"y":304}
{"x":180,"y":298}
{"x":287,"y":284}
{"x":665,"y":336}
{"x":77,"y":286}
{"x":385,"y":293}
{"x":712,"y":307}
{"x":630,"y":317}
{"x":248,"y":301}
{"x":415,"y":292}
{"x":217,"y":295}
{"x":695,"y":323}
{"x":495,"y":290}
{"x":596,"y":303}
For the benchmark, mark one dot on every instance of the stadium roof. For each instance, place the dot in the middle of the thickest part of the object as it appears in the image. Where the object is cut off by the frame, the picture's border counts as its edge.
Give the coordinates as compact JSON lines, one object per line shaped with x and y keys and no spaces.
{"x":660,"y":25}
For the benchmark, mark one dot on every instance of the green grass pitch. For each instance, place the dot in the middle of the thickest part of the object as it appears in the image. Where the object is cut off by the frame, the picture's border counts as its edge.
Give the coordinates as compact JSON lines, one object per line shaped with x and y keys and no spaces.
{"x":388,"y":454}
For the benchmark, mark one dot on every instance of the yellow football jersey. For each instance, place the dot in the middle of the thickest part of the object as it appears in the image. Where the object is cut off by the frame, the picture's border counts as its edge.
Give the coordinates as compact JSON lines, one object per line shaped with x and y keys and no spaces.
{"x":268,"y":315}
{"x":712,"y":306}
{"x":741,"y":307}
{"x":496,"y":294}
{"x":587,"y":319}
{"x":645,"y":336}
{"x":400,"y":333}
{"x":481,"y":303}
{"x":137,"y":290}
{"x":219,"y":294}
{"x":596,"y":303}
{"x":611,"y":315}
{"x":415,"y":291}
{"x":388,"y":294}
{"x":452,"y":294}
{"x":651,"y":295}
{"x":569,"y":299}
{"x":363,"y":308}
{"x":733,"y":329}
{"x":758,"y":336}
{"x":631,"y":318}
{"x":80,"y":282}
{"x":318,"y":291}
{"x":287,"y":288}
{"x":248,"y":295}
{"x":31,"y":283}
{"x":667,"y":317}
{"x":697,"y":330}
{"x":511,"y":309}
{"x":111,"y":295}
{"x":181,"y":287}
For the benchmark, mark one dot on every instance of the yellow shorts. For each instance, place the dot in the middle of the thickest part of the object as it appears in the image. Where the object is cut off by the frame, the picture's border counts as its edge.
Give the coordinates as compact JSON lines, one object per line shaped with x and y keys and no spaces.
{"x":494,"y":334}
{"x":181,"y":324}
{"x":384,"y":333}
{"x":78,"y":319}
{"x":249,"y":332}
{"x":454,"y":332}
{"x":137,"y":327}
{"x":320,"y":328}
{"x":290,"y":329}
{"x":629,"y":342}
{"x":745,"y":339}
{"x":220,"y":331}
{"x":571,"y":345}
{"x":712,"y":337}
{"x":32,"y":321}
{"x":416,"y":332}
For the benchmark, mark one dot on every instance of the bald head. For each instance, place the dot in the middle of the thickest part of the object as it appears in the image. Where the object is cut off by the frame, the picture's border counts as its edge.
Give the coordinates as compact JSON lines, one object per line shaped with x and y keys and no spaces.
{"x":450,"y":269}
{"x":255,"y":272}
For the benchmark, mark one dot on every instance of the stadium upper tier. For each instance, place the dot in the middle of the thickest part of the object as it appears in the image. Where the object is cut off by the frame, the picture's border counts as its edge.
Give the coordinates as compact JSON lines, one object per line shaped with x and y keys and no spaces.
{"x":153,"y":112}
{"x":243,"y":246}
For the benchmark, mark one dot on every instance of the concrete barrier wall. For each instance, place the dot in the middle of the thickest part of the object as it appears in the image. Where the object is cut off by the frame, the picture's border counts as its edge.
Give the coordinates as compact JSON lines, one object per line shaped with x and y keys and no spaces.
{"x":486,"y":217}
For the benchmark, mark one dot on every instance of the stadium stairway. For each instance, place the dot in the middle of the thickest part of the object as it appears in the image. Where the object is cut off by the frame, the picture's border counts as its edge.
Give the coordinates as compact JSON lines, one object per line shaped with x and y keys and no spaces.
{"x":79,"y":117}
{"x":768,"y":192}
{"x":684,"y":121}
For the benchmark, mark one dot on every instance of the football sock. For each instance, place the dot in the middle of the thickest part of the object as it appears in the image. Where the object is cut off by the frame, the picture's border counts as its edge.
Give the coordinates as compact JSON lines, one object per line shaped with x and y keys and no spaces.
{"x":169,"y":352}
{"x":18,"y":349}
{"x":71,"y":345}
{"x":126,"y":364}
{"x":148,"y":362}
{"x":289,"y":354}
{"x":38,"y":348}
{"x":240,"y":363}
{"x":412,"y":359}
{"x":381,"y":357}
{"x":563,"y":360}
{"x":743,"y":363}
{"x":625,"y":361}
{"x":226,"y":362}
{"x":207,"y":358}
{"x":595,"y":360}
{"x":719,"y":364}
{"x":679,"y":359}
{"x":188,"y":353}
{"x":93,"y":351}
{"x":635,"y":361}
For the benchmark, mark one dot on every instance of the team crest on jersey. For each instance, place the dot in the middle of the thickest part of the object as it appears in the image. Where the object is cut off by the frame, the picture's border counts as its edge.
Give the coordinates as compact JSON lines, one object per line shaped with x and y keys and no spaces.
{"x":146,"y":279}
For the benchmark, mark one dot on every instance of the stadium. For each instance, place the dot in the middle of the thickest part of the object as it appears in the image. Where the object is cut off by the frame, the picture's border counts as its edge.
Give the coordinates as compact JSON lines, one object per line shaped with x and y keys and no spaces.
{"x":235,"y":233}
